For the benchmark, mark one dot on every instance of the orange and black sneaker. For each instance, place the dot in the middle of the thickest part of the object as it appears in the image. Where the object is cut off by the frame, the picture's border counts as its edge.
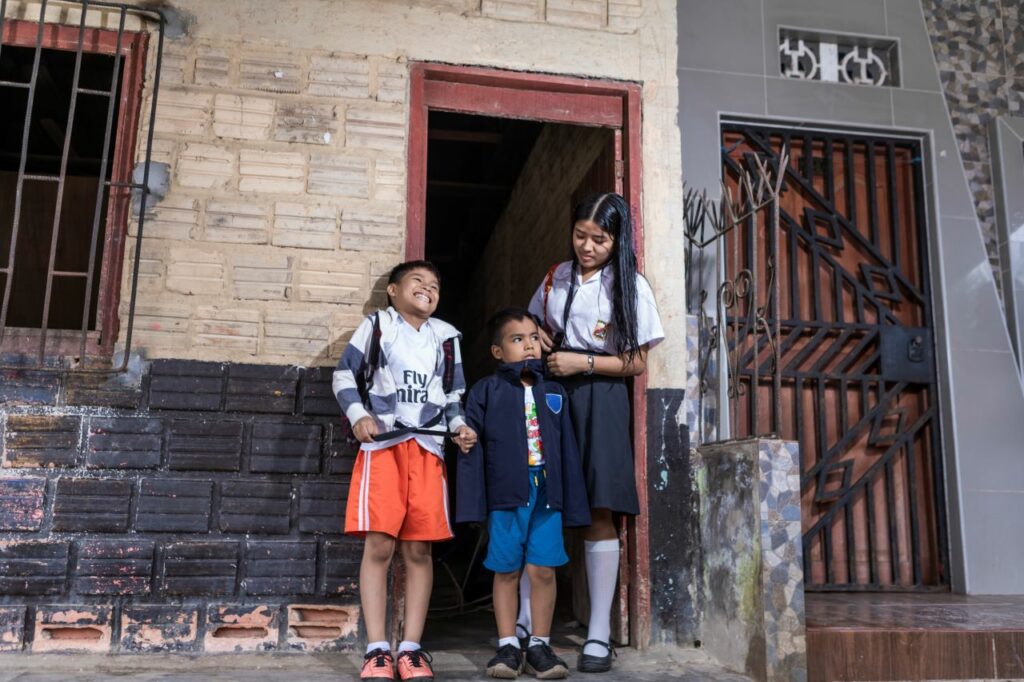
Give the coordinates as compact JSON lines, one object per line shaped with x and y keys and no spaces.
{"x":415,"y":665}
{"x":378,"y":664}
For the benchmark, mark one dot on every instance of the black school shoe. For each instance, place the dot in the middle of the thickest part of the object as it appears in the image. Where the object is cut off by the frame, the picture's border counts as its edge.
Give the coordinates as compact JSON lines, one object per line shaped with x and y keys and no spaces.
{"x":542,"y":663}
{"x":507,"y":663}
{"x":596,"y":664}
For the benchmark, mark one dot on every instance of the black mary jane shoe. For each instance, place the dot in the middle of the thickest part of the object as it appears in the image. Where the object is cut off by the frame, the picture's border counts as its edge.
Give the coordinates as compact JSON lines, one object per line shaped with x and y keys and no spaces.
{"x":596,"y":664}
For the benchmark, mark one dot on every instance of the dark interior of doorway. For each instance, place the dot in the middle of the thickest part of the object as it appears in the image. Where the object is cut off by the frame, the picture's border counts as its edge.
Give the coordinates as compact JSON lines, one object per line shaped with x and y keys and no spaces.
{"x":473,"y":163}
{"x":498,"y":202}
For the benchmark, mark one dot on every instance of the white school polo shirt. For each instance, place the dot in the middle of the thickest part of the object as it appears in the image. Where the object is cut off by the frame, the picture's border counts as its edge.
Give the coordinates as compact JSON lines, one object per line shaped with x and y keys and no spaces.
{"x":591,"y":324}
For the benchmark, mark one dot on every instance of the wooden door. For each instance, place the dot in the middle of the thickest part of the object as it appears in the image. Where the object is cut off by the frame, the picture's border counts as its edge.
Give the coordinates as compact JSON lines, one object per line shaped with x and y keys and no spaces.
{"x":856,"y":354}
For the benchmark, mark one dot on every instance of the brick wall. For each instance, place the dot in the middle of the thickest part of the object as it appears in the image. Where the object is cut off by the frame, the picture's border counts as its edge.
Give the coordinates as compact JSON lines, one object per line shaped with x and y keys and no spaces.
{"x":284,"y":130}
{"x":287,"y":192}
{"x":194,"y":504}
{"x":536,"y":221}
{"x":205,"y":514}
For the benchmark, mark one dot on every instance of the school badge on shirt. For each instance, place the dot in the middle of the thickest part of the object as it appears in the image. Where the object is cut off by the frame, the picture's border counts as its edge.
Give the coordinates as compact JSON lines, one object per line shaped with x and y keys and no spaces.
{"x":601,"y":329}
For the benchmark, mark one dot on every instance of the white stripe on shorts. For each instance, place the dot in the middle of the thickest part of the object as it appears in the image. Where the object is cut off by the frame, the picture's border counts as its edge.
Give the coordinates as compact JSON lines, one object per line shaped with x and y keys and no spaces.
{"x":444,"y":487}
{"x":364,"y":493}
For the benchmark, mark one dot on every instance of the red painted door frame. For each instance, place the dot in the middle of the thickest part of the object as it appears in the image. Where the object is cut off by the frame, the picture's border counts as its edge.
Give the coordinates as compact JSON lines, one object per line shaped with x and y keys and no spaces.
{"x":555,"y":99}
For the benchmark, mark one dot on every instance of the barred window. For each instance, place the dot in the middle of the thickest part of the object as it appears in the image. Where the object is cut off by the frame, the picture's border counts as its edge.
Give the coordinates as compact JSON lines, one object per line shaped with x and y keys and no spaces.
{"x":72,"y":99}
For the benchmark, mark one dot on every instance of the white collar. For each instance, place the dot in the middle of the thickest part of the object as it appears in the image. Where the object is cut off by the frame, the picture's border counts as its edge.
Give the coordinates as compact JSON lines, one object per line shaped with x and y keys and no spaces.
{"x":605,"y":275}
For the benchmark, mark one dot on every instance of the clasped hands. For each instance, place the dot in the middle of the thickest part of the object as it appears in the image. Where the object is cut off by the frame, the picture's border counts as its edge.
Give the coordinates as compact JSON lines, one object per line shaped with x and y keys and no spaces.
{"x":366,"y":428}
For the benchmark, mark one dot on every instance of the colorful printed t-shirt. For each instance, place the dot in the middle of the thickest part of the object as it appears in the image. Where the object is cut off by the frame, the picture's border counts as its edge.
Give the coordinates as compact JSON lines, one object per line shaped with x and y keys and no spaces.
{"x":534,"y":446}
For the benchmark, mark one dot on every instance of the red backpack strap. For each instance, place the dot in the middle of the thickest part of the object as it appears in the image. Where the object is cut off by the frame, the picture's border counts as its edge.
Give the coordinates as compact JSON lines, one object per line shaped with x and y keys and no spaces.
{"x":549,"y":283}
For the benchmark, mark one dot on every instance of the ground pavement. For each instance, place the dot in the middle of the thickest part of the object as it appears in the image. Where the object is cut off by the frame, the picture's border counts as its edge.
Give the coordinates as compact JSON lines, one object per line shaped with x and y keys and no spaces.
{"x":658,"y":664}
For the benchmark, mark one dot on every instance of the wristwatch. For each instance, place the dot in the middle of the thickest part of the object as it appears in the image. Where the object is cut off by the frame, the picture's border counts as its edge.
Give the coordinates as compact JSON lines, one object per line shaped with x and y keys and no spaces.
{"x":590,"y":364}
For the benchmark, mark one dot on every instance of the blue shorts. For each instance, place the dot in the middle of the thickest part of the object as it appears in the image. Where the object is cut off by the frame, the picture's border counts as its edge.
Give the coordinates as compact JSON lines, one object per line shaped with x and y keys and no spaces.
{"x":527,"y":535}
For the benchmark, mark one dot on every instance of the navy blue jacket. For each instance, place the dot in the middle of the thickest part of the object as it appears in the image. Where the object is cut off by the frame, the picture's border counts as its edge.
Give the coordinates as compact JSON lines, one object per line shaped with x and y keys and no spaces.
{"x":495,"y":474}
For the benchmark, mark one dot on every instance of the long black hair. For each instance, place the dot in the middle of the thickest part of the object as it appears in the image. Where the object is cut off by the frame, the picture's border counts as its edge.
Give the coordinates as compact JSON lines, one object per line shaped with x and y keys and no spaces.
{"x":610,"y":212}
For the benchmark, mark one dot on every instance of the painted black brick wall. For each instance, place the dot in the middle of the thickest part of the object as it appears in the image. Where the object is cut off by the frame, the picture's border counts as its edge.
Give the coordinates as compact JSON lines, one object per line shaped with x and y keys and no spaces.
{"x":206,"y":484}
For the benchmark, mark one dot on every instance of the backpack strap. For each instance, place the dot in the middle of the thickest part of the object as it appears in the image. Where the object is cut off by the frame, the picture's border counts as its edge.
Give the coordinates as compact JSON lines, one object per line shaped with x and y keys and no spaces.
{"x":549,"y":283}
{"x":371,"y":361}
{"x":448,"y":377}
{"x":570,"y":297}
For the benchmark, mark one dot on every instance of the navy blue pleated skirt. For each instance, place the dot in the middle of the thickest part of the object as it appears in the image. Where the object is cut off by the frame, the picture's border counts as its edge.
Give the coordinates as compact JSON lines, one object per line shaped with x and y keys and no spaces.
{"x":601,"y":416}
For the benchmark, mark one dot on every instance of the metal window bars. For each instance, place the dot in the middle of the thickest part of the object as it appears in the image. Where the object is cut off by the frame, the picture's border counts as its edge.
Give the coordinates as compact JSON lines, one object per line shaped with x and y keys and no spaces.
{"x":95,"y":347}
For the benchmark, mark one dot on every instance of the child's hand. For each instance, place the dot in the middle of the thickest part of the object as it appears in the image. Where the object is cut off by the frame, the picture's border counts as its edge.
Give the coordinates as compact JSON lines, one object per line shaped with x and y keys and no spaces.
{"x":465,"y":438}
{"x":365,"y":429}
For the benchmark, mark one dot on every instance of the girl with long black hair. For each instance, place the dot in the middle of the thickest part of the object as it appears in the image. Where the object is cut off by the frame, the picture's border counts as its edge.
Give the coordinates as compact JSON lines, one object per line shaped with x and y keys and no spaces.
{"x":600,"y":319}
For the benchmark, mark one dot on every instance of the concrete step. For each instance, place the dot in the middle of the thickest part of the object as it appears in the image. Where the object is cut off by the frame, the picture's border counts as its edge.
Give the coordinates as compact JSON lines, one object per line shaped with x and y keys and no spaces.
{"x":906,"y":636}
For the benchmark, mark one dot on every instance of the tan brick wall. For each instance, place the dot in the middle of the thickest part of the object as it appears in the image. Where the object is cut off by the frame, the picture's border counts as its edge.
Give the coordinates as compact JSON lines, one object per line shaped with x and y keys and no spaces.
{"x":536,"y":221}
{"x":285,"y":130}
{"x":288,"y":183}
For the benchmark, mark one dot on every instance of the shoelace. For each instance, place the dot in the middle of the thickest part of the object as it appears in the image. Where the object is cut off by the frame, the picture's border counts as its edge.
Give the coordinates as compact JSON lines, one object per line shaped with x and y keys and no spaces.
{"x":416,"y":656}
{"x":379,"y":658}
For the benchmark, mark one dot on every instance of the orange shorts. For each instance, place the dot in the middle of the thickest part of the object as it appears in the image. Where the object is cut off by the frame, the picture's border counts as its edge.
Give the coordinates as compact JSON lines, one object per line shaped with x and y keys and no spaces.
{"x":401,"y":491}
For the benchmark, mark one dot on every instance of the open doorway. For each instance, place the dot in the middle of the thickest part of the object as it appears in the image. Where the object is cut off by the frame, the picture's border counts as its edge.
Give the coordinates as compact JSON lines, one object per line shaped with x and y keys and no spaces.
{"x":496,"y":162}
{"x":499,"y":199}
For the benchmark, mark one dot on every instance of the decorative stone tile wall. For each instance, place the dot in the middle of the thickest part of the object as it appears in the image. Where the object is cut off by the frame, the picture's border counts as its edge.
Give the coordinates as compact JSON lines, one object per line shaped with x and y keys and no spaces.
{"x":753,"y":583}
{"x":979,"y":50}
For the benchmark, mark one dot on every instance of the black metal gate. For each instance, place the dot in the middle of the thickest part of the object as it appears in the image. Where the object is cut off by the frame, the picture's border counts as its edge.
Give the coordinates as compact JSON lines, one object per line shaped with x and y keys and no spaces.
{"x":855,"y":352}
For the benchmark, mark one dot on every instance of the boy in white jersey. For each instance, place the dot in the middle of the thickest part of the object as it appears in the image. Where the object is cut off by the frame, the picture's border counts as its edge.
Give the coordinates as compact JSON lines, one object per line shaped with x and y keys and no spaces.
{"x":401,"y":373}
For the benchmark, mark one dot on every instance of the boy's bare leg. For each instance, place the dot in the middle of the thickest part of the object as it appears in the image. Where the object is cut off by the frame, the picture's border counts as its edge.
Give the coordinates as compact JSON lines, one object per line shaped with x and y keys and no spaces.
{"x":373,"y":583}
{"x":506,"y":602}
{"x":419,"y":580}
{"x":542,"y":598}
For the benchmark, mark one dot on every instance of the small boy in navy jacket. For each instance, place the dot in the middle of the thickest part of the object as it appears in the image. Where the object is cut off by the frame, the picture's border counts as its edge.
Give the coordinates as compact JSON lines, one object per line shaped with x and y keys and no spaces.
{"x":525,"y":477}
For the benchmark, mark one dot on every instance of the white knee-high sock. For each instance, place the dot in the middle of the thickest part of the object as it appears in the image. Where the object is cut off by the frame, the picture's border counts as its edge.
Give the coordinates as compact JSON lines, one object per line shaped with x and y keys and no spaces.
{"x":525,"y":619}
{"x":602,"y":559}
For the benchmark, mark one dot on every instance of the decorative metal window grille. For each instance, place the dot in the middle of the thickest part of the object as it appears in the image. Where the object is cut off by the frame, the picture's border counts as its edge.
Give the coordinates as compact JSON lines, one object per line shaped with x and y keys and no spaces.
{"x":837,"y":58}
{"x":71,"y":81}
